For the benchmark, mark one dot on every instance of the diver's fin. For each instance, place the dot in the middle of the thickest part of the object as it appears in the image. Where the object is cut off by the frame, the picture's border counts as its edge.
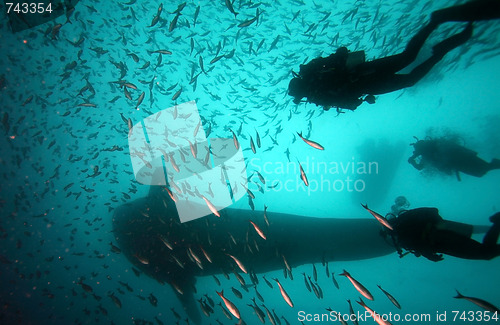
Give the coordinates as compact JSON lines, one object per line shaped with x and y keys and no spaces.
{"x":470,"y":11}
{"x":495,"y":218}
{"x":495,"y":164}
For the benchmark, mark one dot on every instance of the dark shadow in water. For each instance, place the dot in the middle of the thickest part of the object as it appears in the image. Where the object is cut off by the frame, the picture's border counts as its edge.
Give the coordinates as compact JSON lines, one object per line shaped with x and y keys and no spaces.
{"x":387,"y":155}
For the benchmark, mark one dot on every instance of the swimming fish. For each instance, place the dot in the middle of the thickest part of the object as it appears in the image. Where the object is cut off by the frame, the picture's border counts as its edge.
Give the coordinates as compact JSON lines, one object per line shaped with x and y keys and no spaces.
{"x":207,"y":256}
{"x":284,"y":294}
{"x":200,"y":60}
{"x":115,"y":300}
{"x":224,"y":311}
{"x":353,"y":314}
{"x":480,"y":302}
{"x":267,"y":282}
{"x":229,"y":6}
{"x":229,"y":305}
{"x":173,"y":23}
{"x":303,"y":175}
{"x":237,"y":293}
{"x":308,"y":287}
{"x":335,"y":280}
{"x":252,"y":145}
{"x":177,"y":94}
{"x":86,"y":287}
{"x":238,"y":262}
{"x":258,"y":311}
{"x":196,"y":13}
{"x":211,"y":206}
{"x":339,"y":316}
{"x":258,"y":230}
{"x":161,"y":52}
{"x":376,"y":317}
{"x":269,"y":315}
{"x":235,"y":140}
{"x":265,"y":216}
{"x":311,"y":143}
{"x":390,"y":297}
{"x":249,"y":22}
{"x":139,"y":100}
{"x":379,"y":218}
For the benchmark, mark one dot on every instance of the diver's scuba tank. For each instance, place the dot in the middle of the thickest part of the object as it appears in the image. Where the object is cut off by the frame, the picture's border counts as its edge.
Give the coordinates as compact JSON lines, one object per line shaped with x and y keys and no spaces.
{"x":400,"y":204}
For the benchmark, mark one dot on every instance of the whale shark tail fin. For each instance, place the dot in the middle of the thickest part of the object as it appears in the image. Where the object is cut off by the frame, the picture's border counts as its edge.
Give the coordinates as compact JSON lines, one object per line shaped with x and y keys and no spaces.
{"x":132,"y":236}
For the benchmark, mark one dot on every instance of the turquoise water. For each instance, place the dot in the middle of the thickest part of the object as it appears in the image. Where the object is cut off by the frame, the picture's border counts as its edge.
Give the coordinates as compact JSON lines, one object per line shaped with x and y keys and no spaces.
{"x":54,"y":234}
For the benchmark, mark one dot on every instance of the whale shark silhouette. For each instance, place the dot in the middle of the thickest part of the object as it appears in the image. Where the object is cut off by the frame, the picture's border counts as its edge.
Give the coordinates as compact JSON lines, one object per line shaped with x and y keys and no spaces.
{"x":149,"y":233}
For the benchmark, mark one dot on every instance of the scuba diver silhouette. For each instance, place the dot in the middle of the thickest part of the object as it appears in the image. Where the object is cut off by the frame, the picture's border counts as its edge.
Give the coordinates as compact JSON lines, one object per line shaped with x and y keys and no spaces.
{"x":423,"y":232}
{"x":345,"y":80}
{"x":449,"y":157}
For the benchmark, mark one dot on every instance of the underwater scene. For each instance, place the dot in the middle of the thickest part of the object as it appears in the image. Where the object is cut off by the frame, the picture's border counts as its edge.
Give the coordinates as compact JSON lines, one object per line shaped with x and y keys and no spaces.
{"x":250,"y":162}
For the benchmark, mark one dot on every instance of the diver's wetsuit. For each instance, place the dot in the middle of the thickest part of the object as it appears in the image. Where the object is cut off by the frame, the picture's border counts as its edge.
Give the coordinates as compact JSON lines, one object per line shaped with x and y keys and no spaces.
{"x":450,"y":157}
{"x":330,"y":82}
{"x":424,"y":232}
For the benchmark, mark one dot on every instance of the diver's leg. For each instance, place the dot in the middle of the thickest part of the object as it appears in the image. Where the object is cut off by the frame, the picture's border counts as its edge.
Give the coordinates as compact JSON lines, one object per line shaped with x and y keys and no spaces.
{"x":454,"y":244}
{"x":477,"y":167}
{"x":417,"y":41}
{"x":388,"y":66}
{"x":400,"y":81}
{"x":477,"y":251}
{"x":384,"y":81}
{"x":470,"y":11}
{"x":491,"y":236}
{"x":494,"y":164}
{"x":479,"y":170}
{"x":392,"y":82}
{"x":394,"y":63}
{"x":439,"y":51}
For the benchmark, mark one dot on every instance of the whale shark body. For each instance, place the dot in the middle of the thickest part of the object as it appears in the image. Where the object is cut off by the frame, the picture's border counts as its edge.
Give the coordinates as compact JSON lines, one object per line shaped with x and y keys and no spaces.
{"x":149,"y":233}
